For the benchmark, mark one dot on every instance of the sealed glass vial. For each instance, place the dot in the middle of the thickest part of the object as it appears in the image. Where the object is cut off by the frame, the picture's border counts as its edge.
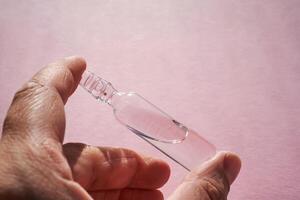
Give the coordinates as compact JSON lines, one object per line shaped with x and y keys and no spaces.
{"x":183,"y":145}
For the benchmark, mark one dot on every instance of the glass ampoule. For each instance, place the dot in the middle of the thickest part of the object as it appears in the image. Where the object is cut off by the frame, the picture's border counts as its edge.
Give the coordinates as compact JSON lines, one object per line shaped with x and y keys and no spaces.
{"x":183,"y":145}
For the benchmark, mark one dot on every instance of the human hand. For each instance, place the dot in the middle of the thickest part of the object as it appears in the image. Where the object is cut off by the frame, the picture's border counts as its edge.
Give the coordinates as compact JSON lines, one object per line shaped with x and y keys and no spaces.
{"x":35,"y":164}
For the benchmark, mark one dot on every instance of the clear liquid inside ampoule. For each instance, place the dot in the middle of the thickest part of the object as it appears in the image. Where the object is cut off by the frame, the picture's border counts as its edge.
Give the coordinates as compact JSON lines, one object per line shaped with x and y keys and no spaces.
{"x":147,"y":120}
{"x":182,"y":145}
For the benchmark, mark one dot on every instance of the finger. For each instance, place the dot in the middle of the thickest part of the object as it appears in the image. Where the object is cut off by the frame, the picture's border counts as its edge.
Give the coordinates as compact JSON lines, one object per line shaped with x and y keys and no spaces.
{"x":37,"y":109}
{"x":97,"y":168}
{"x":128,"y":194}
{"x":212,"y":180}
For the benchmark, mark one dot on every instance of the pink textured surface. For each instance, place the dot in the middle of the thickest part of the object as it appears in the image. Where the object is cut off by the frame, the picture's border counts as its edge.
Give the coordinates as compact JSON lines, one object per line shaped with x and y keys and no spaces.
{"x":228,"y":69}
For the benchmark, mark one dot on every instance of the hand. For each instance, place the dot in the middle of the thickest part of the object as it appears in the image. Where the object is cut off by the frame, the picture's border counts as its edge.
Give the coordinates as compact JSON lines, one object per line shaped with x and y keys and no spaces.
{"x":35,"y":164}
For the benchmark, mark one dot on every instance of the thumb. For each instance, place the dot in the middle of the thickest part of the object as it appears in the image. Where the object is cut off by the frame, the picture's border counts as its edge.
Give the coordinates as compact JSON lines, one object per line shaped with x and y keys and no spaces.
{"x":37,"y":110}
{"x":212,"y":180}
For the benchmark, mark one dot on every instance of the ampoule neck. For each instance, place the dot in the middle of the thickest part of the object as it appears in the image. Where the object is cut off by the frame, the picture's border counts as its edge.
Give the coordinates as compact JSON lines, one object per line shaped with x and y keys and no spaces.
{"x":107,"y":93}
{"x":99,"y":88}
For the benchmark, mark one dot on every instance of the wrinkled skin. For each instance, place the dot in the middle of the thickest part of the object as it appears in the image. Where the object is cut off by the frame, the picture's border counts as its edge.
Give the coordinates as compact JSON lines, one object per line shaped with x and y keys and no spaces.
{"x":35,"y":164}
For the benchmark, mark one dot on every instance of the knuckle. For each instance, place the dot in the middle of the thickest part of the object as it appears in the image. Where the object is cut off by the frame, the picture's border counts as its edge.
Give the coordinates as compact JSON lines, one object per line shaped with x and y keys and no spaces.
{"x":29,"y":89}
{"x":216,"y":190}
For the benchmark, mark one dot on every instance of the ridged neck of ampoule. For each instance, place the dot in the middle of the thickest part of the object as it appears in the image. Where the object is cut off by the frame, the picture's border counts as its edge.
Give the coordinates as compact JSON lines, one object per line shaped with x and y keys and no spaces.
{"x":99,"y":88}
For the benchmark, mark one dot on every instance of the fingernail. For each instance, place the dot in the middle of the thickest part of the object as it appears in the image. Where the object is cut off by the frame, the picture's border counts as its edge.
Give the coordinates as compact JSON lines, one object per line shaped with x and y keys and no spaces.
{"x":232,"y":166}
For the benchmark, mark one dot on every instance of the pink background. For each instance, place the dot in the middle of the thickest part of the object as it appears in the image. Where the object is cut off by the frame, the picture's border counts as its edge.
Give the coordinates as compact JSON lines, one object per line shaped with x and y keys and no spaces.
{"x":228,"y":69}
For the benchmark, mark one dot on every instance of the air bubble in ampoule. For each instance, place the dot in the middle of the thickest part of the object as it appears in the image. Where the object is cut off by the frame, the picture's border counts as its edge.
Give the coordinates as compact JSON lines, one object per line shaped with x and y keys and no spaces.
{"x":145,"y":119}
